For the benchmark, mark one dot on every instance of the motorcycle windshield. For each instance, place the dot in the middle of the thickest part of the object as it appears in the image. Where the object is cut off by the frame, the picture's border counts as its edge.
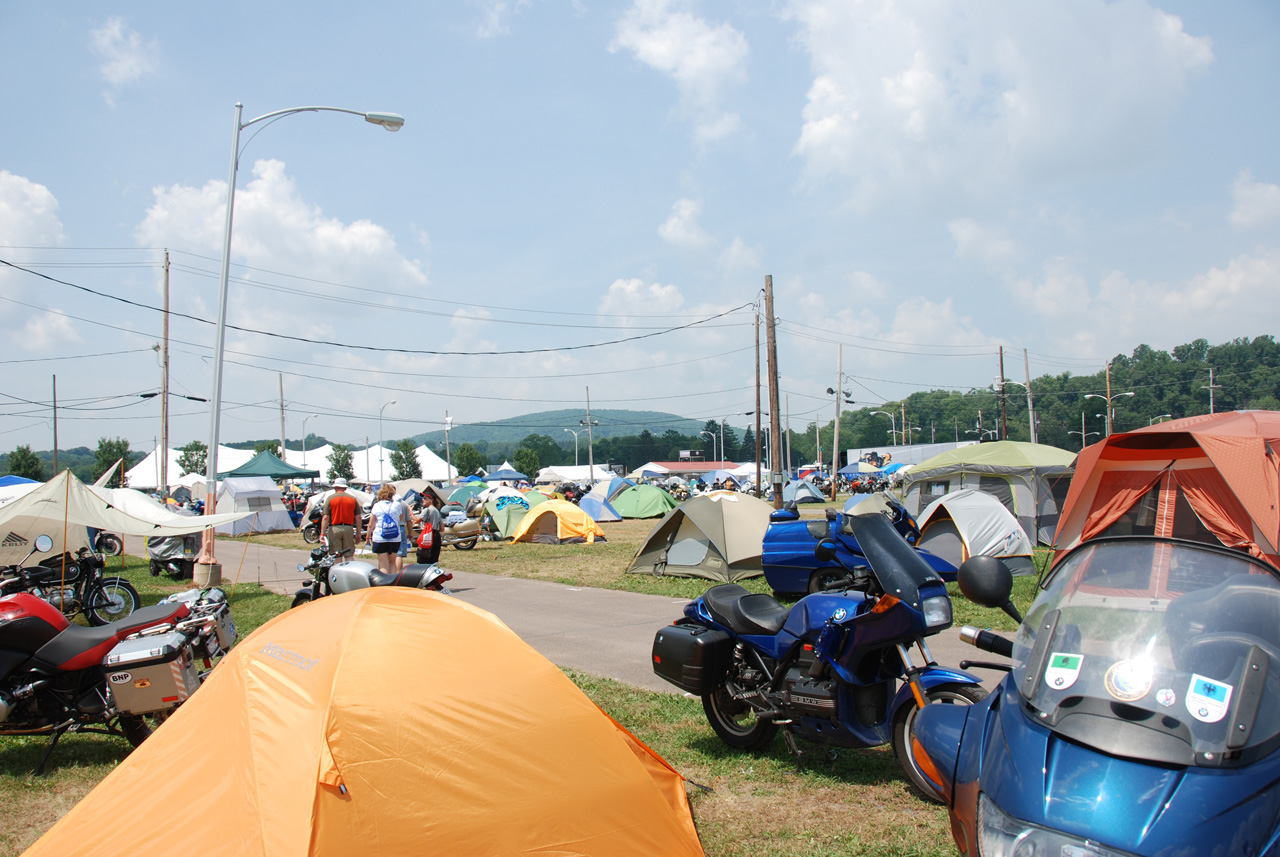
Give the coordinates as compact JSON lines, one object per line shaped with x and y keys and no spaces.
{"x":898,"y":568}
{"x":1154,"y":649}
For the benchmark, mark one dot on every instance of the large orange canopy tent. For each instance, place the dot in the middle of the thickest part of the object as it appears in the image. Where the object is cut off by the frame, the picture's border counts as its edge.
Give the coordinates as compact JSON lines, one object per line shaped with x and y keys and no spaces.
{"x":388,"y":721}
{"x":1214,"y":478}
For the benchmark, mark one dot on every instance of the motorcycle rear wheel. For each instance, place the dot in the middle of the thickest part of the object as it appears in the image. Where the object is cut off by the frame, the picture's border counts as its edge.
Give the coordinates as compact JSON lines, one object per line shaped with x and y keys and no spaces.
{"x":138,"y":728}
{"x":735,"y":722}
{"x":110,"y":544}
{"x":311,"y":534}
{"x":110,"y":600}
{"x":952,"y":693}
{"x":466,"y":544}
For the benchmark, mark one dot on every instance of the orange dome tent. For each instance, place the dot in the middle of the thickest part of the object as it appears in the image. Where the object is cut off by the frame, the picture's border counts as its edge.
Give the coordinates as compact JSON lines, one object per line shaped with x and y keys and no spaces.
{"x":384,"y":722}
{"x":557,"y":522}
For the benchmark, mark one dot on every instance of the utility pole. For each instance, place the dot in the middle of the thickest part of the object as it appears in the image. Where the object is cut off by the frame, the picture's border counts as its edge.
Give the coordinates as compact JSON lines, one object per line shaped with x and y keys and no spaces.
{"x":164,"y":389}
{"x":788,"y":436}
{"x":281,"y":416}
{"x":1210,"y":388}
{"x":448,"y":464}
{"x":55,"y":425}
{"x":758,"y":473}
{"x":591,"y":461}
{"x":905,"y":442}
{"x":1031,"y":406}
{"x":775,"y":442}
{"x":1004,"y":412}
{"x":835,"y":439}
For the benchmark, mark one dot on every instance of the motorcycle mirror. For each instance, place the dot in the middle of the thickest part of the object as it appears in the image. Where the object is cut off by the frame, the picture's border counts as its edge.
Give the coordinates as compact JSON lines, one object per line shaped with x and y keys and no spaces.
{"x":988,"y":582}
{"x":44,"y":544}
{"x":825,"y":550}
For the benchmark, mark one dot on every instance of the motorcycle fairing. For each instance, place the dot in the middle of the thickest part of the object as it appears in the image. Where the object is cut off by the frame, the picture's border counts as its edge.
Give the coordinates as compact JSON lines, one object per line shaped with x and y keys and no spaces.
{"x":1135,"y":806}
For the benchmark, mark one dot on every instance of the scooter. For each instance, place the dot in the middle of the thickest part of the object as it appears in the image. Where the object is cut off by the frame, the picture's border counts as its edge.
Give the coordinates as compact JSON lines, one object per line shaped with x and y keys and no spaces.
{"x":1141,"y":715}
{"x":827,"y":670}
{"x":332,"y":578}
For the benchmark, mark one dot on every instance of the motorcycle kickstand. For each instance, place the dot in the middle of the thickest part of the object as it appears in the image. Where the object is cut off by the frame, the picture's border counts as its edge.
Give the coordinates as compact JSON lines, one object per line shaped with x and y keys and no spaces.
{"x":828,"y":753}
{"x":53,"y":742}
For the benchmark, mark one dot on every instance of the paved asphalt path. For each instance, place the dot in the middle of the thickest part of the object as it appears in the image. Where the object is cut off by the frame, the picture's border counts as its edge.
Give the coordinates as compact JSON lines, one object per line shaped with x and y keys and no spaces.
{"x":598,"y":631}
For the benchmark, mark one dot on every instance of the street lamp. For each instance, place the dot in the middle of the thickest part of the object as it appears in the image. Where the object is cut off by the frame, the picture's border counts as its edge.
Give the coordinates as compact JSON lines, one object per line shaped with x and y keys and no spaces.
{"x":390,"y":121}
{"x":893,"y":426}
{"x":382,"y":452}
{"x":1161,"y":418}
{"x":591,"y":461}
{"x":1111,"y":411}
{"x":304,"y":438}
{"x":1031,"y":409}
{"x":575,"y":446}
{"x":1084,"y":435}
{"x":713,"y":443}
{"x":448,"y":465}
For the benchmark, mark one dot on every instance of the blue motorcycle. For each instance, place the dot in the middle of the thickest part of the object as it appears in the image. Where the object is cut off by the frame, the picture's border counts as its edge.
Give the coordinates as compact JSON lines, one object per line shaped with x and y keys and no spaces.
{"x":835,"y":669}
{"x":791,"y":566}
{"x":1141,"y":715}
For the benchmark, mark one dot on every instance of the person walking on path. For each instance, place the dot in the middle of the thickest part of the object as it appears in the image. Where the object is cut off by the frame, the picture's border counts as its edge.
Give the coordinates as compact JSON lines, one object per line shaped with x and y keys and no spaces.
{"x":340,"y":523}
{"x":385,"y":526}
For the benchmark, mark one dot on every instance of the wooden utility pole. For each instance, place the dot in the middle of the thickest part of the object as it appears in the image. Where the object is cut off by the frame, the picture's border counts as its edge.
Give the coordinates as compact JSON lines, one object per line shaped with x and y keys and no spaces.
{"x":1031,"y":405}
{"x":758,"y":473}
{"x":775,"y":476}
{"x":164,"y":389}
{"x":1212,"y":386}
{"x":55,"y":425}
{"x":835,"y":439}
{"x":1004,"y":412}
{"x":281,"y":375}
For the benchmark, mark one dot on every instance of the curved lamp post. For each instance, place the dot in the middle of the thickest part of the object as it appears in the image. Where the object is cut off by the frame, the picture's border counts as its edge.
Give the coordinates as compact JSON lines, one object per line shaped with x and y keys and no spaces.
{"x":1159,"y":419}
{"x":1111,"y":411}
{"x":304,"y":438}
{"x":382,"y":452}
{"x":713,"y":443}
{"x":893,"y":425}
{"x":390,"y":121}
{"x":575,"y":445}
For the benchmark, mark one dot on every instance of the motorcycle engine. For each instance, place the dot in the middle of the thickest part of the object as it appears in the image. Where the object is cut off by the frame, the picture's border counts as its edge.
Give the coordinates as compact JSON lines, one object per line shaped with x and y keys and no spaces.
{"x":63,"y":599}
{"x":809,"y":696}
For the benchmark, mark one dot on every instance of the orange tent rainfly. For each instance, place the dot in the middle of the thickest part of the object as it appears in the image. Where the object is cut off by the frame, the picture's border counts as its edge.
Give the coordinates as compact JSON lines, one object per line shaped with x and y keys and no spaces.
{"x":1212,"y":478}
{"x":557,"y":522}
{"x":388,"y":721}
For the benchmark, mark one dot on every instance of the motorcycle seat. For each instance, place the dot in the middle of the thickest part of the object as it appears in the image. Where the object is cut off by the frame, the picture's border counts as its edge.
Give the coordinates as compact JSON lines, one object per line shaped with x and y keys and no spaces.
{"x":745,"y":612}
{"x":77,"y":647}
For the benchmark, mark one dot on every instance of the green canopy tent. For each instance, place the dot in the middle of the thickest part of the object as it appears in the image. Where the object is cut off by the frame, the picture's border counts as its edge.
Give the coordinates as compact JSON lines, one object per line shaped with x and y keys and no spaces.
{"x":267,"y":464}
{"x":643,"y":501}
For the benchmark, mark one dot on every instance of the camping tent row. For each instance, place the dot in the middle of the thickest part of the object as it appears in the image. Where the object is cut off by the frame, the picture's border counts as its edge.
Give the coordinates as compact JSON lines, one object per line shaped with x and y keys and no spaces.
{"x":1030,"y":479}
{"x":579,"y":475}
{"x":374,"y":462}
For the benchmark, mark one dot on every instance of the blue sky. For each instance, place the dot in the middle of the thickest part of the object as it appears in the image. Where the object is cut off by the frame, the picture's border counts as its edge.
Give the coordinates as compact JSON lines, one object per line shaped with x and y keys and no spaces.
{"x":925,"y":182}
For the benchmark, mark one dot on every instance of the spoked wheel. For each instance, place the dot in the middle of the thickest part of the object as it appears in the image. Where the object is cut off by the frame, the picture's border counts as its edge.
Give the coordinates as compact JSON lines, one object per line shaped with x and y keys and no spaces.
{"x":904,"y":721}
{"x":311,"y":534}
{"x":736,"y":722}
{"x":111,"y":600}
{"x":110,"y":544}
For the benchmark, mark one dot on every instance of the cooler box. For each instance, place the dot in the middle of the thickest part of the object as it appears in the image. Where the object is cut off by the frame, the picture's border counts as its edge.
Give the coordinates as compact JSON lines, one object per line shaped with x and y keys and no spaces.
{"x":151,"y":673}
{"x":692,"y":657}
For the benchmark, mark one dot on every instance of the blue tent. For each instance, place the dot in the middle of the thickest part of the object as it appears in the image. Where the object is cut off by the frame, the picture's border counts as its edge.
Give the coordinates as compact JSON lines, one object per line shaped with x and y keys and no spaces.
{"x":6,"y":481}
{"x":600,"y":510}
{"x":801,"y":491}
{"x":472,"y":478}
{"x":894,"y":467}
{"x":505,"y":474}
{"x":723,"y":475}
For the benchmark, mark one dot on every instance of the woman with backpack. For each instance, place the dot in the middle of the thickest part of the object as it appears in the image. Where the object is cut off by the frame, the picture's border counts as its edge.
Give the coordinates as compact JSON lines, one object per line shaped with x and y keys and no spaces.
{"x":385,"y":528}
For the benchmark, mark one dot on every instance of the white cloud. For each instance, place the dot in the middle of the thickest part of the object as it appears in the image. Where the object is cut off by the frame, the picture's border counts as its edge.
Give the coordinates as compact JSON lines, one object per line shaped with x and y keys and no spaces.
{"x":28,"y":213}
{"x":125,"y":57}
{"x":978,"y":242}
{"x":1255,"y":203}
{"x":495,"y":16}
{"x":982,"y":95}
{"x":28,"y":218}
{"x":738,"y":258}
{"x":635,"y":297}
{"x":1061,"y":291}
{"x":681,"y":227}
{"x":702,"y":59}
{"x":864,"y":287}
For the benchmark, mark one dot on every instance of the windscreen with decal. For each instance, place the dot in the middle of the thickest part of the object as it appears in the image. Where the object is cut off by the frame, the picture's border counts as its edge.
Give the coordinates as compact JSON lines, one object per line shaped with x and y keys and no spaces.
{"x":1157,"y":649}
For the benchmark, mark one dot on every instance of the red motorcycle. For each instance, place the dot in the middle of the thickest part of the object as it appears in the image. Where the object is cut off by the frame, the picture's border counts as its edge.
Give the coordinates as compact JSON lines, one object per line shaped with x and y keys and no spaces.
{"x":121,"y":678}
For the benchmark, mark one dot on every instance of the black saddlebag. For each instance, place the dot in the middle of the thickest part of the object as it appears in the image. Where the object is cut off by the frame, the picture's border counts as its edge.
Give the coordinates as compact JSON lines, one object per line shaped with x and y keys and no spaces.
{"x":692,"y":657}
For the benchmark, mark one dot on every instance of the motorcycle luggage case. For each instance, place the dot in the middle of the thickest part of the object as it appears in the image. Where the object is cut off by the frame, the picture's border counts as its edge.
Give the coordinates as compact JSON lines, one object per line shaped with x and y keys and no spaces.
{"x":151,"y":673}
{"x":692,"y":657}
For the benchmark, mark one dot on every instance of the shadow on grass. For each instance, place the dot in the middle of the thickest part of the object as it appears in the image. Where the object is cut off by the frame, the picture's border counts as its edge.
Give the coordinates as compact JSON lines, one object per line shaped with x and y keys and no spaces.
{"x":20,"y":755}
{"x":860,"y":766}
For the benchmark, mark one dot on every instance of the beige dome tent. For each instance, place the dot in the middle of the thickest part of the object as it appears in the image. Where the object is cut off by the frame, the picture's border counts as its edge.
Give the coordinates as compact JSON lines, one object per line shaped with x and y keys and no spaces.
{"x":969,"y":523}
{"x":344,"y":728}
{"x":718,"y":536}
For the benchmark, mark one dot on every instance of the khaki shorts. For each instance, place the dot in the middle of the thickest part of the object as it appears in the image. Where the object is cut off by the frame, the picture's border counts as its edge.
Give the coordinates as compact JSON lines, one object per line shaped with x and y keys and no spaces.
{"x":342,"y":538}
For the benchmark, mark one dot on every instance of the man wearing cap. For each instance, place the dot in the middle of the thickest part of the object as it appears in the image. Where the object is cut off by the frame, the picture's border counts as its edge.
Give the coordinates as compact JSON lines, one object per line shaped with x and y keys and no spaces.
{"x":341,"y":520}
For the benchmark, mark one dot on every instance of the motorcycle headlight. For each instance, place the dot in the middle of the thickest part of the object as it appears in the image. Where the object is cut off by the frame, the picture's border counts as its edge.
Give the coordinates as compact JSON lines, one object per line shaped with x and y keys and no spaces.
{"x":937,"y":611}
{"x":1002,"y":835}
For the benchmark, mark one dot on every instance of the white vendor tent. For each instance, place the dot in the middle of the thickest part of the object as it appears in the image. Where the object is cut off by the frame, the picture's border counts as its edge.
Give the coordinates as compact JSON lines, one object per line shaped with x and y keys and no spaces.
{"x":257,"y":496}
{"x":64,"y":506}
{"x":580,"y":475}
{"x":145,"y":475}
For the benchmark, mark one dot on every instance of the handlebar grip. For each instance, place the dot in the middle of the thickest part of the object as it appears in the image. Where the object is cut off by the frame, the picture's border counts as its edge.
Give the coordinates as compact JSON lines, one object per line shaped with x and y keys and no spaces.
{"x":987,"y":641}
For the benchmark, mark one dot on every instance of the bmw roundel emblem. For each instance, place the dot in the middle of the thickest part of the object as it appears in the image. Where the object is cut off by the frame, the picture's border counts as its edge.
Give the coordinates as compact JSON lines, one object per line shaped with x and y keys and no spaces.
{"x":839,"y":615}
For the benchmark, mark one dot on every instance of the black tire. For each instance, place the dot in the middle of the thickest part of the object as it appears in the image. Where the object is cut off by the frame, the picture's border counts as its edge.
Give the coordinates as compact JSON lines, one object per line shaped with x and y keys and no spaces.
{"x":466,"y":544}
{"x":110,"y":544}
{"x":110,"y":600}
{"x":300,"y":599}
{"x":953,"y":693}
{"x":311,"y":534}
{"x":735,"y":722}
{"x":138,"y":728}
{"x":155,"y":568}
{"x":820,"y":578}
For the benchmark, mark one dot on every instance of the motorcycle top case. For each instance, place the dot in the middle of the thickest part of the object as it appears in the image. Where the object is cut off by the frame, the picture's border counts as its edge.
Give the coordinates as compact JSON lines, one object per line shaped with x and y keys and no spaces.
{"x":692,"y":657}
{"x":151,"y":673}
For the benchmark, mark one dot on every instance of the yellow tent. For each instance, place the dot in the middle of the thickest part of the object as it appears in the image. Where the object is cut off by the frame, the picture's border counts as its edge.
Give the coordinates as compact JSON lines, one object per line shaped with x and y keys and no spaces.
{"x":557,"y":522}
{"x":387,"y":721}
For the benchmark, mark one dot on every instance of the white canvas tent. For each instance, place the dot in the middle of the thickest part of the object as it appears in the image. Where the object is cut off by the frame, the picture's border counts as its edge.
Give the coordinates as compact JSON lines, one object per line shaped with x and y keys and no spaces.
{"x":257,"y":496}
{"x":64,"y":506}
{"x":145,"y":475}
{"x":566,"y":473}
{"x":969,"y":523}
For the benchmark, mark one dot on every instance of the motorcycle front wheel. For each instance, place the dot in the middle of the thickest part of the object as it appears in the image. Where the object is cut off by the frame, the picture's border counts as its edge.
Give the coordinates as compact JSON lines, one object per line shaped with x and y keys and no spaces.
{"x":110,"y":544}
{"x":311,"y":534}
{"x":110,"y":600}
{"x":952,"y":693}
{"x":300,"y":599}
{"x":735,"y":722}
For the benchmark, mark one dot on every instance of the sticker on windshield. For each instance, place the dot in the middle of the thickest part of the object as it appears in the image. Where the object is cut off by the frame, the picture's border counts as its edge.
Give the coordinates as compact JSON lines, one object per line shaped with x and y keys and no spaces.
{"x":1063,"y":670}
{"x":1207,"y":700}
{"x":1129,"y":680}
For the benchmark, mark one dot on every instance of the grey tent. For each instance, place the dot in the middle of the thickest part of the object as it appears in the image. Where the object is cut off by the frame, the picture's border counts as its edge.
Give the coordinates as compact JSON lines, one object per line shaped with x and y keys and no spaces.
{"x":717,"y":536}
{"x":801,"y":491}
{"x":969,"y":523}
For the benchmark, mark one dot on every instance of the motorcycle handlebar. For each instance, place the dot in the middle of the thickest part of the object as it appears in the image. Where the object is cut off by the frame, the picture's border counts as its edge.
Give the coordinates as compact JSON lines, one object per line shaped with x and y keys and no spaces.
{"x":987,"y":641}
